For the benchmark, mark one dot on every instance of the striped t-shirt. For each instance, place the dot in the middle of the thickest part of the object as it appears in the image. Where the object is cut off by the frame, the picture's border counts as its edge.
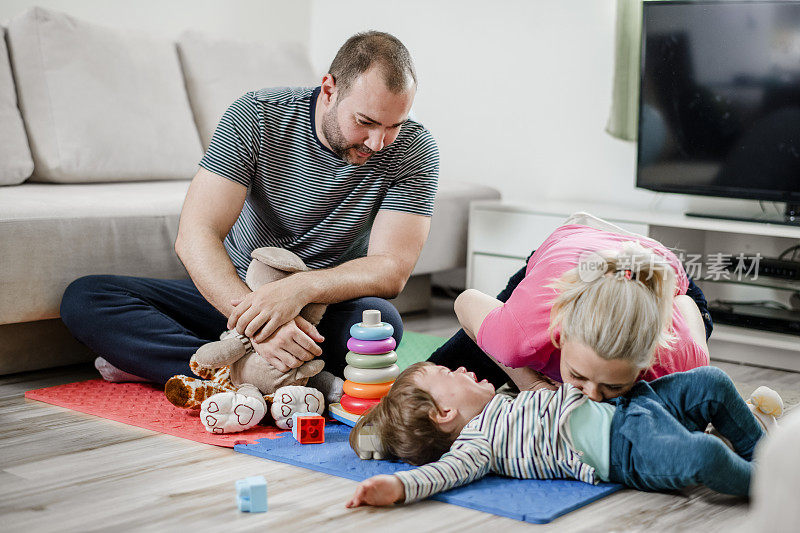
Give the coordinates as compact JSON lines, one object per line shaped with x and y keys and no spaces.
{"x":301,"y":196}
{"x":522,"y":437}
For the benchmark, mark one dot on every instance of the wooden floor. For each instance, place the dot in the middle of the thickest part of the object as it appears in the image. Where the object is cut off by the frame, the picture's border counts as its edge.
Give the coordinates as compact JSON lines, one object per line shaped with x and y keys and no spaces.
{"x":66,"y":471}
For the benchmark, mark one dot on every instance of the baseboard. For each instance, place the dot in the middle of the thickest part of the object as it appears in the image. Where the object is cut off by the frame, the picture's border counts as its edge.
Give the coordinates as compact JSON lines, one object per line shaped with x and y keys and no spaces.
{"x":41,"y":344}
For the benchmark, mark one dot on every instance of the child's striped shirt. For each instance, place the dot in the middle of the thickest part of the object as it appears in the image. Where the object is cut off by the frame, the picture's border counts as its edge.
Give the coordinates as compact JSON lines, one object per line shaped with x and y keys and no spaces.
{"x":524,"y":437}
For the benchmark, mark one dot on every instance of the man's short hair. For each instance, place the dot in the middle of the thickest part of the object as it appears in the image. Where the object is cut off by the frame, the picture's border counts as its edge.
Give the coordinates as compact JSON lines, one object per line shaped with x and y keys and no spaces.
{"x":363,"y":50}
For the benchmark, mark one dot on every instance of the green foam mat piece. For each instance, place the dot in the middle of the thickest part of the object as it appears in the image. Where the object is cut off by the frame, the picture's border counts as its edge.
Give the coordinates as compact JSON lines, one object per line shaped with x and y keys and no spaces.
{"x":416,"y":347}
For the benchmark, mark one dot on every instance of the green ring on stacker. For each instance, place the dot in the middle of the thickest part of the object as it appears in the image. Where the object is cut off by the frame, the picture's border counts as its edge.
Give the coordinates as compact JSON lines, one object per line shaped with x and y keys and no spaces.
{"x":371,"y":361}
{"x":371,"y":333}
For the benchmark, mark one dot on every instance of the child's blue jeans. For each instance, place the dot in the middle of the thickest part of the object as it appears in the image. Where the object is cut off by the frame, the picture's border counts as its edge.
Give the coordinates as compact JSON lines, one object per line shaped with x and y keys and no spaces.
{"x":658,"y":440}
{"x":151,"y":327}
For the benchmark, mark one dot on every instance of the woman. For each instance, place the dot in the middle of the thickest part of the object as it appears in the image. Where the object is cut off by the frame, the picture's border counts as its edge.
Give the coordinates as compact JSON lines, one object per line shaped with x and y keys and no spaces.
{"x":560,"y":320}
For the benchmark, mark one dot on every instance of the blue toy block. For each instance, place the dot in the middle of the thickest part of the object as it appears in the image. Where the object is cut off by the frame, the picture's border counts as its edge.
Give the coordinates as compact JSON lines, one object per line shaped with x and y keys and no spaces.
{"x":251,"y":494}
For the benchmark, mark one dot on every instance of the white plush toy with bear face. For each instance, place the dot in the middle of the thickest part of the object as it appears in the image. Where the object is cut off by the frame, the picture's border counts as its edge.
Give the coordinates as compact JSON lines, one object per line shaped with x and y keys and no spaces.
{"x":234,"y":411}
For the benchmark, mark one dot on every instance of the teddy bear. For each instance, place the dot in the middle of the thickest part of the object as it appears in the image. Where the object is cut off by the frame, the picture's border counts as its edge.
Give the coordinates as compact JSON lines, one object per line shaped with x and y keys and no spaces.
{"x":237,"y":386}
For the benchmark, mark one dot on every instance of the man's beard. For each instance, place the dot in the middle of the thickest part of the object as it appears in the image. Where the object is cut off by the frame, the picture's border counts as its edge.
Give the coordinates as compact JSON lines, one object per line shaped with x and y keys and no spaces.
{"x":335,"y":137}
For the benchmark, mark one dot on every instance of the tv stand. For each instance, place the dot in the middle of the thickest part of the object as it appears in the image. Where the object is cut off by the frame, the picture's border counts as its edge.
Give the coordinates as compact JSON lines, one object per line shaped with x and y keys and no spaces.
{"x":502,"y":234}
{"x":790,"y":217}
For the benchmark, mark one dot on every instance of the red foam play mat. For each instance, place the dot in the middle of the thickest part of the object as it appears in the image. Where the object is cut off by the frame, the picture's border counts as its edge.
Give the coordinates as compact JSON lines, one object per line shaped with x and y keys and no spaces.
{"x":143,"y":405}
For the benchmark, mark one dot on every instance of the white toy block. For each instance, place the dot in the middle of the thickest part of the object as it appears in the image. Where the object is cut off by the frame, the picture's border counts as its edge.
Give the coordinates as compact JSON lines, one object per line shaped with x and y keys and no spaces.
{"x":369,"y":445}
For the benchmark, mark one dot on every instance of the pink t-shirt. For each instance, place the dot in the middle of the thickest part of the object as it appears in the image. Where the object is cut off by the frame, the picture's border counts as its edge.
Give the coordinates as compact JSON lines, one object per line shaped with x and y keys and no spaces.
{"x":516,"y":333}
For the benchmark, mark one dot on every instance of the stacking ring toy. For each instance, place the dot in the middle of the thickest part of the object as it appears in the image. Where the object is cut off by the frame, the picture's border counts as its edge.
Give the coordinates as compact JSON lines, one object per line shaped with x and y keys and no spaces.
{"x":367,"y":391}
{"x":370,"y":361}
{"x":371,"y":333}
{"x":357,"y":406}
{"x":371,"y":375}
{"x":371,"y":347}
{"x":337,"y":411}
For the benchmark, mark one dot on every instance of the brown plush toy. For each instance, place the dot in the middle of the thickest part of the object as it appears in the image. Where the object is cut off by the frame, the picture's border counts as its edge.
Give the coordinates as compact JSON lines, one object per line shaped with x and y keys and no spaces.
{"x":238,"y":383}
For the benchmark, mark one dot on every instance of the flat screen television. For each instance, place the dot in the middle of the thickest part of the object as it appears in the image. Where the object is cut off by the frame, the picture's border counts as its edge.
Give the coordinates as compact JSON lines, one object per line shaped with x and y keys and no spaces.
{"x":719,"y":104}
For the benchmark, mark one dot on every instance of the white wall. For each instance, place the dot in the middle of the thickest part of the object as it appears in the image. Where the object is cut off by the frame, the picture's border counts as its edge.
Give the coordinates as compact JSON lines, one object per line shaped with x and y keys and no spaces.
{"x":251,"y":20}
{"x":516,"y":92}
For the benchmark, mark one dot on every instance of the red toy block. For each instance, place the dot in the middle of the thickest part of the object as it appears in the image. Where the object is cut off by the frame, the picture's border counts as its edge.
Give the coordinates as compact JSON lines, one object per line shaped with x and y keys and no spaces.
{"x":308,"y":428}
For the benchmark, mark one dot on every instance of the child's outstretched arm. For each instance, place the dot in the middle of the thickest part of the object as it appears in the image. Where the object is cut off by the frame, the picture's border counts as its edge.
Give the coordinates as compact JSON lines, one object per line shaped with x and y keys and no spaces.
{"x":378,"y":490}
{"x":467,"y":461}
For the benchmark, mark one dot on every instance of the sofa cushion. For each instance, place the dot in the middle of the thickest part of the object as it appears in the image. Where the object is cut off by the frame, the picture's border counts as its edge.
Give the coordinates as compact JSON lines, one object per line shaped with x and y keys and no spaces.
{"x":16,"y":164}
{"x":52,"y":234}
{"x":213,"y":85}
{"x":101,"y":104}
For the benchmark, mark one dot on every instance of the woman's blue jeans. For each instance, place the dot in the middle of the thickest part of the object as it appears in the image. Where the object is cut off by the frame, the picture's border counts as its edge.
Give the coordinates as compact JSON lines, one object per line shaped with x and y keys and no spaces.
{"x":151,"y":327}
{"x":658,"y":440}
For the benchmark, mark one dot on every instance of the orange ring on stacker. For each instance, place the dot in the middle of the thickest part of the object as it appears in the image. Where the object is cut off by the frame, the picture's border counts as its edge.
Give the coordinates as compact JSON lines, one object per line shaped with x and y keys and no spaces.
{"x":366,"y":391}
{"x":357,"y":406}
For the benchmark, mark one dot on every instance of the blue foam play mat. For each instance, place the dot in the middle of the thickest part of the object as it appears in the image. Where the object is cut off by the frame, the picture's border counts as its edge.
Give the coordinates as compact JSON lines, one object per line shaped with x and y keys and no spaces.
{"x":535,"y":501}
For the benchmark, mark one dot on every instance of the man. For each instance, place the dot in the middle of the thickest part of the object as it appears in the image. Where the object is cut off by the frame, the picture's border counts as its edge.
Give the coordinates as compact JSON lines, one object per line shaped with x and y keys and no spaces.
{"x":337,"y":174}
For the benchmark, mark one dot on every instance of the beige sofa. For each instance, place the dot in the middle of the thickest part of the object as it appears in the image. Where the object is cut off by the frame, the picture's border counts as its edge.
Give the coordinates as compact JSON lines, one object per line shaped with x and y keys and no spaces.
{"x":100,"y":132}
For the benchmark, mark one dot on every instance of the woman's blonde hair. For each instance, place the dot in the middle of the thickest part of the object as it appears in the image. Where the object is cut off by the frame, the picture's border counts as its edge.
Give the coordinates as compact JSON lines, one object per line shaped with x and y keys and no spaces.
{"x":403,"y":422}
{"x":617,"y":303}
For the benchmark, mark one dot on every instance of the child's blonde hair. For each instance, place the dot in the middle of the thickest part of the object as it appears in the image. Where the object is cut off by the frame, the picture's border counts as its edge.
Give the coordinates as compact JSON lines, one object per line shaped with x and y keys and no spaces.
{"x":618,"y":303}
{"x":403,"y":423}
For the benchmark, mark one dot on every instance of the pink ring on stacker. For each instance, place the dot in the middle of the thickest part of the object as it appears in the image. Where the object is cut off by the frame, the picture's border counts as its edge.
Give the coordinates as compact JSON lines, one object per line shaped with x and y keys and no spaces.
{"x":371,"y":347}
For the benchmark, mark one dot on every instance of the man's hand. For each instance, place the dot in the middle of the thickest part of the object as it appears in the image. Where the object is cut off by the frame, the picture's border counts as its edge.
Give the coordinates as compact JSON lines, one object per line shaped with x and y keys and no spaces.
{"x":291,"y":345}
{"x":267,"y":308}
{"x":378,"y":490}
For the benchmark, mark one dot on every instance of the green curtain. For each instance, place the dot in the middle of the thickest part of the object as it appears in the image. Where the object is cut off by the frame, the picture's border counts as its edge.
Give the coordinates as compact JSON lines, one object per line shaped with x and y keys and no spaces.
{"x":622,"y":122}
